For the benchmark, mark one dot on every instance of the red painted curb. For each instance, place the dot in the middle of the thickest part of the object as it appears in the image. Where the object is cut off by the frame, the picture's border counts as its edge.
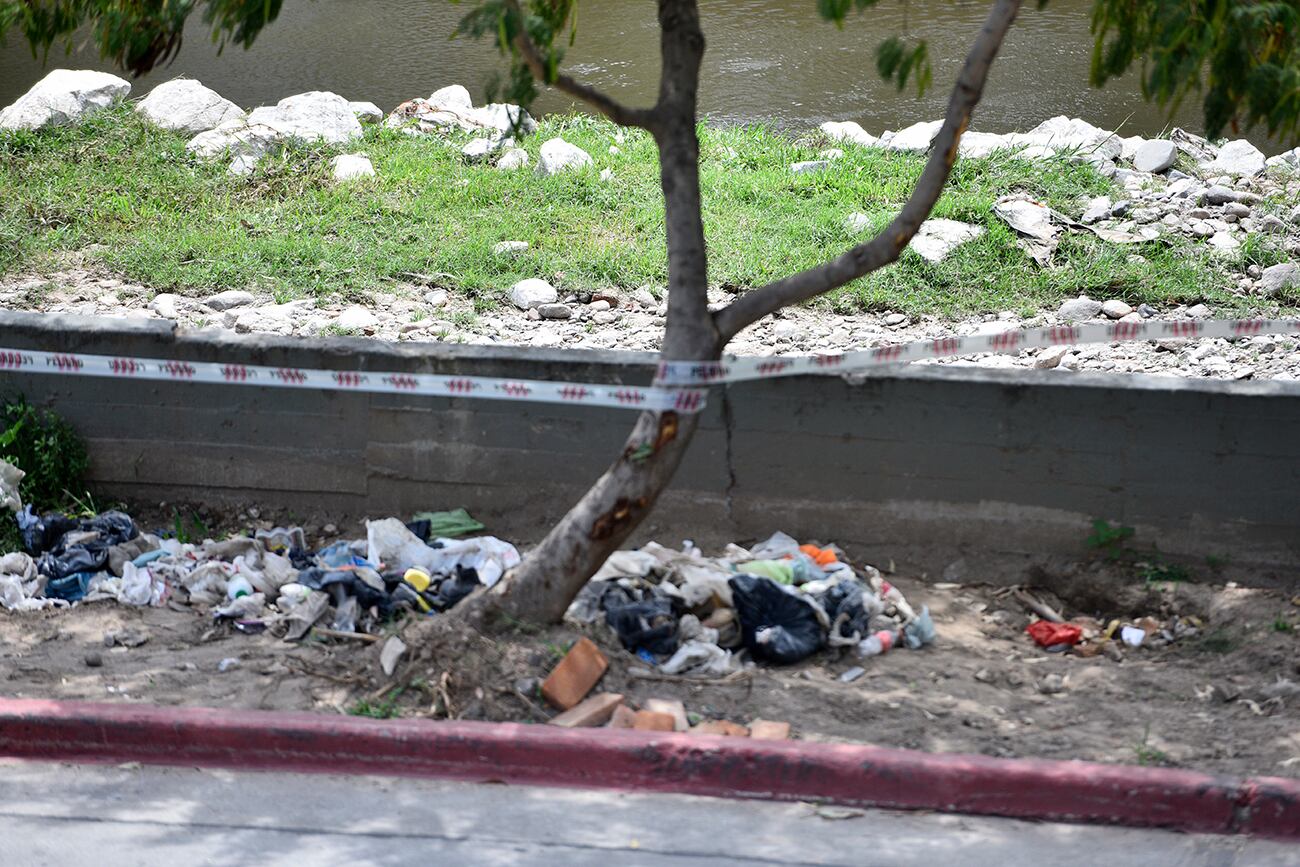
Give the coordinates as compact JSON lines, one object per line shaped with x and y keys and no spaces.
{"x":603,"y":758}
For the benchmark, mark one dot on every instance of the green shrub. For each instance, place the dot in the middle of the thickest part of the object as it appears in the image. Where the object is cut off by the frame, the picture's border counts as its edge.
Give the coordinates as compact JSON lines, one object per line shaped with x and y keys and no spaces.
{"x":47,"y":449}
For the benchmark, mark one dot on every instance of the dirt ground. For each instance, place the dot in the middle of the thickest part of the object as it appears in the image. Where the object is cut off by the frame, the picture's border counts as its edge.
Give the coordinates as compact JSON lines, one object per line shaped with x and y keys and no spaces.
{"x":1226,"y":699}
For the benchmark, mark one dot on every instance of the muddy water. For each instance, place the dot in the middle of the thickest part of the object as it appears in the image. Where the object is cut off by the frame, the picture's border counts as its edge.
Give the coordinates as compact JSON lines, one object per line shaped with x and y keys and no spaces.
{"x":768,"y":61}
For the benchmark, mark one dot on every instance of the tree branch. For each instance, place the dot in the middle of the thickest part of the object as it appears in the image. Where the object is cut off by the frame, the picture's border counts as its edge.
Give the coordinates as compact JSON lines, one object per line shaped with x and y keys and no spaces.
{"x":616,"y":111}
{"x":888,"y":245}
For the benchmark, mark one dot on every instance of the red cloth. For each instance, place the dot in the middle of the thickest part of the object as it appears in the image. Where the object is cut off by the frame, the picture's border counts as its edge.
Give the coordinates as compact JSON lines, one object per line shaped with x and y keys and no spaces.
{"x":1046,"y":634}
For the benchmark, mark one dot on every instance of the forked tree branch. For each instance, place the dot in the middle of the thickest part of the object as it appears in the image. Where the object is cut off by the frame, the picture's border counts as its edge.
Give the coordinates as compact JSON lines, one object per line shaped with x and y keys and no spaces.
{"x":602,"y":102}
{"x":888,"y":245}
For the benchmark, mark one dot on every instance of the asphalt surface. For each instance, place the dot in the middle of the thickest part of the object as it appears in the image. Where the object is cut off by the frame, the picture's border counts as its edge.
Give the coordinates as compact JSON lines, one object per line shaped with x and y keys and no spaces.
{"x":60,"y":814}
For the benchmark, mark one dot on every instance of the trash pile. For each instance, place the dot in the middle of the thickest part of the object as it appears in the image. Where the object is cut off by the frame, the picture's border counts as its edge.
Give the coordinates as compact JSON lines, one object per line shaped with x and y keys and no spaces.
{"x":776,"y":603}
{"x":1087,"y":636}
{"x":269,"y":581}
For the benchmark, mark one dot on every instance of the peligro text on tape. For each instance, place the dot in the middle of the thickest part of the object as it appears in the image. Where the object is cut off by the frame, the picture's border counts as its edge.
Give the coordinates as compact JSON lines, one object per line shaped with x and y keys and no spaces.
{"x":683,"y":373}
{"x":684,"y":400}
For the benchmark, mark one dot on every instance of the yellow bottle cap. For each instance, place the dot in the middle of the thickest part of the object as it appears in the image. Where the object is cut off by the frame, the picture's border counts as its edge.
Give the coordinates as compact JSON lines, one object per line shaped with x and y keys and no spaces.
{"x":417,"y":578}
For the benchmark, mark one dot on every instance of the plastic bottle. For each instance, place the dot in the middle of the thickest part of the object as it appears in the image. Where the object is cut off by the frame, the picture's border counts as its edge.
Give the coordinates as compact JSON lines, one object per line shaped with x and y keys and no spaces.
{"x":874,"y":645}
{"x":237,"y":587}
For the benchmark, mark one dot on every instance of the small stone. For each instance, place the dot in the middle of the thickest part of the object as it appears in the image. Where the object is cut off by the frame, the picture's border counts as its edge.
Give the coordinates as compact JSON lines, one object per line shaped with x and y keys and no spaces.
{"x":809,"y":167}
{"x":366,"y":112}
{"x":1224,"y":241}
{"x":1116,"y":309}
{"x":606,"y":174}
{"x":356,"y":318}
{"x":1155,"y":156}
{"x":1145,"y":215}
{"x":330,"y":529}
{"x":510,"y":248}
{"x":598,"y":305}
{"x":230,"y":299}
{"x":515,"y":158}
{"x":1236,"y":209}
{"x":557,"y":155}
{"x":391,"y":654}
{"x":553,"y":311}
{"x":481,"y":148}
{"x":435,"y":297}
{"x":1279,"y":278}
{"x":530,"y":293}
{"x":349,"y":167}
{"x":894,"y":320}
{"x":1096,"y":209}
{"x":1239,"y":158}
{"x":984,"y":676}
{"x":1050,"y":357}
{"x":786,"y":330}
{"x":164,"y":304}
{"x":852,"y":674}
{"x":645,"y":299}
{"x":1051,"y":684}
{"x":1082,"y":307}
{"x":533,"y":315}
{"x":1198,"y":311}
{"x":856,"y":223}
{"x":604,"y":317}
{"x":93,"y":660}
{"x":1272,"y":225}
{"x":1218,"y":195}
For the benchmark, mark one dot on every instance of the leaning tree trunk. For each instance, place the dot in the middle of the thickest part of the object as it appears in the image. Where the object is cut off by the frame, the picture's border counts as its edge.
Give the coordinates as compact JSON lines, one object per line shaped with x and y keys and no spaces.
{"x":542,"y":586}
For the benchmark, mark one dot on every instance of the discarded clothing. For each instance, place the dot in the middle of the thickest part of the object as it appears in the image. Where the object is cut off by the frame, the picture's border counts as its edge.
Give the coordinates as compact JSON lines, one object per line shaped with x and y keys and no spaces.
{"x":444,"y":525}
{"x":1046,"y":634}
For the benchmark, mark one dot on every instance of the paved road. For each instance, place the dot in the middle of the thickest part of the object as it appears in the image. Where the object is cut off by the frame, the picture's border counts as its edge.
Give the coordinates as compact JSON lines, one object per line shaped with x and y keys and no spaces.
{"x":54,"y":814}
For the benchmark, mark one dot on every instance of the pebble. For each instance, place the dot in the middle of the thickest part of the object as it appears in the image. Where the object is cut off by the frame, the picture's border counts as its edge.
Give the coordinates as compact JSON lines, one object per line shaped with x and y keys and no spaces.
{"x":554,"y":311}
{"x":1116,"y":309}
{"x":1082,"y":307}
{"x":893,"y":320}
{"x":356,"y":318}
{"x":510,"y":248}
{"x":94,"y":660}
{"x":598,"y":305}
{"x":984,"y":676}
{"x":1051,"y":684}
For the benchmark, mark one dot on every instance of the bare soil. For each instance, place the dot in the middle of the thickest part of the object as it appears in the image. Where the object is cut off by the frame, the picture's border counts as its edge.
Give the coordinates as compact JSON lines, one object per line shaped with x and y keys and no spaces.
{"x":1224,"y":700}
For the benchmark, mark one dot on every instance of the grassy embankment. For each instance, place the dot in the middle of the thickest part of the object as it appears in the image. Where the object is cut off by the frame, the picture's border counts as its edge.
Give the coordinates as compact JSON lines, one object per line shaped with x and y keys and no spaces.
{"x":177,"y":223}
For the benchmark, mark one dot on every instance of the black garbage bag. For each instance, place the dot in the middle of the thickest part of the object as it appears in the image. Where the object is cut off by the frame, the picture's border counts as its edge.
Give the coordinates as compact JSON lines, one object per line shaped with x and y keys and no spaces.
{"x":843,"y":603}
{"x":346,"y":582}
{"x":42,"y":532}
{"x":454,"y":588}
{"x":777,"y":625}
{"x":421,"y":529}
{"x":113,"y":527}
{"x":91,"y":555}
{"x":644,"y":618}
{"x":54,"y":564}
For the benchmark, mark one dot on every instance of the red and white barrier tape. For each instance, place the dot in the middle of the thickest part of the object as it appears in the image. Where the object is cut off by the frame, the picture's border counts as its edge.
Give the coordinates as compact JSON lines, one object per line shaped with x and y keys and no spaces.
{"x":684,"y":373}
{"x":684,"y":400}
{"x":678,"y":385}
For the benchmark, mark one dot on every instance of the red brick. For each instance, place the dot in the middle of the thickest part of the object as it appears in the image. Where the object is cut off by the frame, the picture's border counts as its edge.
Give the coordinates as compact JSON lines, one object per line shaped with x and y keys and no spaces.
{"x":580,"y":670}
{"x":722,"y":727}
{"x":650,"y":721}
{"x":624,"y":717}
{"x":673,"y":708}
{"x":767,"y":730}
{"x":591,"y":711}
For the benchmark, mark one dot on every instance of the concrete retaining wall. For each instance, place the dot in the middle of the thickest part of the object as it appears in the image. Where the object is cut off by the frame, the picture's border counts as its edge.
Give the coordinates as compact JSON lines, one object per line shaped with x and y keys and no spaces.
{"x":979,"y":472}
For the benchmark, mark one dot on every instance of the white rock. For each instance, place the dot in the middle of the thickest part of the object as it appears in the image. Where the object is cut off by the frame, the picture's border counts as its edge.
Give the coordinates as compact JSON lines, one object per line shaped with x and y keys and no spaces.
{"x":786,"y":330}
{"x":830,"y":154}
{"x":938,"y":237}
{"x":453,"y":96}
{"x":317,"y":115}
{"x":366,"y":112}
{"x":238,"y":138}
{"x":1198,"y":311}
{"x":242,"y":164}
{"x":356,"y":319}
{"x":1116,"y":309}
{"x":598,"y":306}
{"x":481,"y":148}
{"x":1224,"y":241}
{"x":857,"y":222}
{"x":894,"y":320}
{"x":1071,"y":134}
{"x":165,"y":305}
{"x":916,"y":137}
{"x":977,"y":145}
{"x":1237,"y":158}
{"x":557,"y":155}
{"x":607,"y":174}
{"x":1287,"y":160}
{"x":809,"y":167}
{"x":185,"y":105}
{"x":1155,"y":155}
{"x":527,"y":294}
{"x":509,"y":248}
{"x":848,"y":131}
{"x":1128,"y":147}
{"x":1097,"y":209}
{"x":1082,"y":307}
{"x":515,"y":158}
{"x":1279,"y":278}
{"x":230,"y":299}
{"x":350,"y":166}
{"x":64,"y":96}
{"x":435,"y":297}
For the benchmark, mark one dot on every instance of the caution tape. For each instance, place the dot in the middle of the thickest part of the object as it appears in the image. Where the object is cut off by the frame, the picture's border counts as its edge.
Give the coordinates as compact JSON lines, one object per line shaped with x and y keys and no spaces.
{"x":680,"y":386}
{"x":684,"y":400}
{"x":685,"y":373}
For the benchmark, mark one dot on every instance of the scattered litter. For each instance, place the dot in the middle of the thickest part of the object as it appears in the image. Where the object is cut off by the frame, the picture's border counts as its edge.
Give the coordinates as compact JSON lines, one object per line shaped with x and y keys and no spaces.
{"x":852,"y":674}
{"x":228,"y":663}
{"x":391,"y":653}
{"x":1133,"y":636}
{"x":1047,"y":634}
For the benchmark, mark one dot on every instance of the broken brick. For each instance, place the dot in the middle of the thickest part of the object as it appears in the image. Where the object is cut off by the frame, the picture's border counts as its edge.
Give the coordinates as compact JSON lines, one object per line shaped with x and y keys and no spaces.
{"x":767,"y":730}
{"x":722,"y":727}
{"x":582,"y":667}
{"x":673,"y":708}
{"x":623,"y":718}
{"x":651,"y":721}
{"x":592,"y":711}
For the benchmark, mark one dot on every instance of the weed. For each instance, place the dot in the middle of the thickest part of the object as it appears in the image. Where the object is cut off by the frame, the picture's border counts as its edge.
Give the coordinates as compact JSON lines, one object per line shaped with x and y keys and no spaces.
{"x":419,"y":316}
{"x":382,"y":709}
{"x":464,"y":319}
{"x":1154,"y":570}
{"x":1282,"y":625}
{"x":191,"y":532}
{"x":333,"y":330}
{"x":47,"y":449}
{"x":1218,"y":641}
{"x":1147,"y":754}
{"x":1109,"y":540}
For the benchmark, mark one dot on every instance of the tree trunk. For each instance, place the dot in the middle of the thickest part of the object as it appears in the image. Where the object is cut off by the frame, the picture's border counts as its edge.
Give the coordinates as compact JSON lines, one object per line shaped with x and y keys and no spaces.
{"x":542,"y":586}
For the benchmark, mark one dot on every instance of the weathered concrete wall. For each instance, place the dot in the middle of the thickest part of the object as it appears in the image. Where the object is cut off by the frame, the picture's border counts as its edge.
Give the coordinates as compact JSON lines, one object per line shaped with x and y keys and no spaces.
{"x":980,"y":471}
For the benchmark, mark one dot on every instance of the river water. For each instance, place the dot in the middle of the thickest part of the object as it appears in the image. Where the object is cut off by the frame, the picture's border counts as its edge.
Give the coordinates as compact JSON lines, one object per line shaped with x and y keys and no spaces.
{"x":768,"y":61}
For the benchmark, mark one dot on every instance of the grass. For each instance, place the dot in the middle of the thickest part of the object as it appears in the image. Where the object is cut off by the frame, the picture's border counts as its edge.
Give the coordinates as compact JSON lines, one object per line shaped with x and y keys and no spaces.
{"x":129,"y":197}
